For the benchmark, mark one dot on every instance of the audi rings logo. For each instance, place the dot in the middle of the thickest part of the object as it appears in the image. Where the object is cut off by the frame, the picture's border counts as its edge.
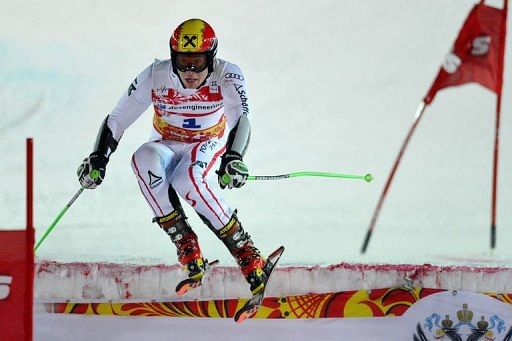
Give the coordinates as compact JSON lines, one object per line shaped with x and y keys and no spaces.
{"x":5,"y":286}
{"x":234,"y":75}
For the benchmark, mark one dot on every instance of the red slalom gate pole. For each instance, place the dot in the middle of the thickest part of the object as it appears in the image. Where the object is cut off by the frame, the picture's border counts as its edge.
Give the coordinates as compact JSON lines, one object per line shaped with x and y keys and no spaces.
{"x":376,"y":212}
{"x":494,"y":198}
{"x":30,"y":183}
{"x":29,"y":301}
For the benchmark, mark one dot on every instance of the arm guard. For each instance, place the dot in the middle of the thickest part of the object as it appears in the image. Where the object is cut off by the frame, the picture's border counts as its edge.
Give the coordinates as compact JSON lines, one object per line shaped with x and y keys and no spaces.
{"x":105,"y":144}
{"x":239,"y":136}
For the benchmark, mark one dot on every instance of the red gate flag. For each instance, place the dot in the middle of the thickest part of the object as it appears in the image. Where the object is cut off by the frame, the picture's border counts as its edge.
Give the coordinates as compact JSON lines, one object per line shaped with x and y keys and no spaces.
{"x":477,"y":54}
{"x":16,"y":281}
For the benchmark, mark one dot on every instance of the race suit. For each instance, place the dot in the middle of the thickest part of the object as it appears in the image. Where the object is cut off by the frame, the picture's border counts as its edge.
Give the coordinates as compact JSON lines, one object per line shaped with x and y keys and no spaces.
{"x":189,"y":133}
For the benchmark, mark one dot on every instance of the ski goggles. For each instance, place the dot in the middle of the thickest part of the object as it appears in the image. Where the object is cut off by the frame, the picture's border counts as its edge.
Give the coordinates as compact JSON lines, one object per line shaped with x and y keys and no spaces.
{"x":195,"y":62}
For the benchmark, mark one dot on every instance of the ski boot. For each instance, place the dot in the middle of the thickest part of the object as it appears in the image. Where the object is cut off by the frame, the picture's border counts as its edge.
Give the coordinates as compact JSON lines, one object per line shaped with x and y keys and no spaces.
{"x":176,"y":226}
{"x":251,"y":307}
{"x":254,"y":267}
{"x":248,"y":257}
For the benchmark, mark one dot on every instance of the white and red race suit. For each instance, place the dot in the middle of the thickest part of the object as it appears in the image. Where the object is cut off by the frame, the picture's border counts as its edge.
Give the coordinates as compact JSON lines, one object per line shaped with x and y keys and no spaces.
{"x":190,"y":128}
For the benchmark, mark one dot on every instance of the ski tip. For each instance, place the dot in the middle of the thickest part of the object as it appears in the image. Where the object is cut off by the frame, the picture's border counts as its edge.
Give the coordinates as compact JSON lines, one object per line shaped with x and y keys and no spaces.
{"x":241,"y":318}
{"x":184,"y":287}
{"x":213,"y":262}
{"x":246,"y":315}
{"x":182,"y":291}
{"x":277,"y":251}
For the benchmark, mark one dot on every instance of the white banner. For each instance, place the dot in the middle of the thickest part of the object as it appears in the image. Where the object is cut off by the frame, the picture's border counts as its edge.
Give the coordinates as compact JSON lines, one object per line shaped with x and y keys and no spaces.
{"x":453,"y":315}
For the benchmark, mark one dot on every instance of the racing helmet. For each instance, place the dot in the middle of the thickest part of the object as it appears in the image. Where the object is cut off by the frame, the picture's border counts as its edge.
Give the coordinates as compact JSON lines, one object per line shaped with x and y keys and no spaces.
{"x":193,"y":46}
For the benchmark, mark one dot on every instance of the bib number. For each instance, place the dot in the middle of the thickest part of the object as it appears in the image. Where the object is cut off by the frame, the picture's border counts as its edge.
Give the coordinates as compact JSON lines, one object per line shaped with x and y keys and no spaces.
{"x":190,"y":123}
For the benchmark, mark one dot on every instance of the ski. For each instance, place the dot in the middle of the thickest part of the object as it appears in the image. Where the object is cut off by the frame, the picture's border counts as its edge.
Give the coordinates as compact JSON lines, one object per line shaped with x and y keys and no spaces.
{"x":252,"y":306}
{"x":188,"y":284}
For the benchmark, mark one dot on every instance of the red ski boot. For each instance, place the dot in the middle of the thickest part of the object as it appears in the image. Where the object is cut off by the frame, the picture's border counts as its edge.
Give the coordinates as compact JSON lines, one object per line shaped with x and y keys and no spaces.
{"x":176,"y":226}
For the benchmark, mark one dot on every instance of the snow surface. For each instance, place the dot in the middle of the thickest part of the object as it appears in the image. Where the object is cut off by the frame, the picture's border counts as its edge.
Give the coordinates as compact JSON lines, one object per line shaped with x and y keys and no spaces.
{"x":98,"y":282}
{"x":333,"y":86}
{"x":57,"y":328}
{"x":398,"y":328}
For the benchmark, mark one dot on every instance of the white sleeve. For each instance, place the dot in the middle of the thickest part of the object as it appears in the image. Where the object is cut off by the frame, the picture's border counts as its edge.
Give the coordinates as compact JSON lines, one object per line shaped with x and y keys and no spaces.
{"x":132,"y":103}
{"x":234,"y":94}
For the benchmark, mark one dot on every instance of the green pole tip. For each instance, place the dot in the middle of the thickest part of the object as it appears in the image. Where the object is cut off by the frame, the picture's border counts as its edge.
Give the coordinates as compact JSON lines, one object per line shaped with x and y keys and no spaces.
{"x":368,"y":177}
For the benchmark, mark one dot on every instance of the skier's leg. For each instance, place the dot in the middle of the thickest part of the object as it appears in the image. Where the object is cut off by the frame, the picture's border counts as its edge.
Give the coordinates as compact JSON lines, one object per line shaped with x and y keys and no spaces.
{"x":150,"y":164}
{"x":241,"y":246}
{"x":176,"y":225}
{"x":191,"y":182}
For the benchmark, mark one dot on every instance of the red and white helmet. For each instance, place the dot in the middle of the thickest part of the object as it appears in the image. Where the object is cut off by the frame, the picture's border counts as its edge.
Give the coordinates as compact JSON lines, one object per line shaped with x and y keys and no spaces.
{"x":194,"y":36}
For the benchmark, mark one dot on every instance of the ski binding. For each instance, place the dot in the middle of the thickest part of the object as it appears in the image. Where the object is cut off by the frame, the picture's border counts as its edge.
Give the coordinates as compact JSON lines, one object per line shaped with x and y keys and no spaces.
{"x":189,"y":283}
{"x":252,"y":306}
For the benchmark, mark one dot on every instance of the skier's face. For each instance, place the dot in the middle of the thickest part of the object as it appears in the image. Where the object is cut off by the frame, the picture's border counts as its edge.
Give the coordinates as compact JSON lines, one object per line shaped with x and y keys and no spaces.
{"x":196,"y":62}
{"x":191,"y":79}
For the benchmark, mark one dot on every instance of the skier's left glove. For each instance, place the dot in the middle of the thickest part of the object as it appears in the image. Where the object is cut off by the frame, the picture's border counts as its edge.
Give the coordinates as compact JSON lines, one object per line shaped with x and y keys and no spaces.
{"x":232,"y":172}
{"x":92,"y":171}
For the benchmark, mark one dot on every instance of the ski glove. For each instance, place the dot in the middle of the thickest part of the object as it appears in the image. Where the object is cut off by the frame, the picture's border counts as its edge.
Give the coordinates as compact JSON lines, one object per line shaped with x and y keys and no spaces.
{"x":92,"y":171}
{"x":232,"y":172}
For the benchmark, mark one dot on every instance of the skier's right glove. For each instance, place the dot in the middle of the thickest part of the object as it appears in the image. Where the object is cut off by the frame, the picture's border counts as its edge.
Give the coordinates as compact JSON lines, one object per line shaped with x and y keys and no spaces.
{"x":92,"y":171}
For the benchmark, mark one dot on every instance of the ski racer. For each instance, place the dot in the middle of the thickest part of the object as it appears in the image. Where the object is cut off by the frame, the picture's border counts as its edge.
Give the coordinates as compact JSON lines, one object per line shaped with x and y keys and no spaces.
{"x":201,"y":114}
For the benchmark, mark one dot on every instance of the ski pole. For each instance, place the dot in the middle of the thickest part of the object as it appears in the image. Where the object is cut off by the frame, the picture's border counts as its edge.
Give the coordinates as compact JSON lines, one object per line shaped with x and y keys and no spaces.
{"x":56,"y":220}
{"x":368,"y":177}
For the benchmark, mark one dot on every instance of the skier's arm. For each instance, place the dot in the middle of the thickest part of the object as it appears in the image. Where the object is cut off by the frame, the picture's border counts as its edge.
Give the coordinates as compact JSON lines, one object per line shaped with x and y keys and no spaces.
{"x":233,"y":172}
{"x":131,"y":105}
{"x":239,"y":136}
